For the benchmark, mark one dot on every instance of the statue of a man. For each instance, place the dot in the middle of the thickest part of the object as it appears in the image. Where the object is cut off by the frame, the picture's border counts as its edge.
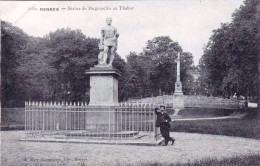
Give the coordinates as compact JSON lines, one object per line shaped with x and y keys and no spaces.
{"x":108,"y":42}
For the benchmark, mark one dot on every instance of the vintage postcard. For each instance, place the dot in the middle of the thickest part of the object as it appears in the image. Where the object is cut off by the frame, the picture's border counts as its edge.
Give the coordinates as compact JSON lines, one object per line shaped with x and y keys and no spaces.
{"x":130,"y":82}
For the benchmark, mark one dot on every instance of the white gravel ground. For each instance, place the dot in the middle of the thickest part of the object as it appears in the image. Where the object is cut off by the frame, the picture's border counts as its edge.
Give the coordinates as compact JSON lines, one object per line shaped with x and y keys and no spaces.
{"x":188,"y":148}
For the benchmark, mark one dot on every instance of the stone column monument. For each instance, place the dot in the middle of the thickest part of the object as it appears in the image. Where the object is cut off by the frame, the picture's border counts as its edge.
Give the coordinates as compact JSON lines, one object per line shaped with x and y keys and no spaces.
{"x":178,"y":98}
{"x":178,"y":85}
{"x":103,"y":77}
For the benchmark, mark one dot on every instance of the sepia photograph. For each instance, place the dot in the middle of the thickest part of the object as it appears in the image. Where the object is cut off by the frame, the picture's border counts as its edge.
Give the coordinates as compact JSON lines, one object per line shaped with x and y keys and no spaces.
{"x":127,"y":83}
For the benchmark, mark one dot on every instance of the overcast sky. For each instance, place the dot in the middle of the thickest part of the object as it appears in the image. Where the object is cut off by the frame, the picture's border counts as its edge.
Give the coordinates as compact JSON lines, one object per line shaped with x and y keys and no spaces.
{"x":188,"y":22}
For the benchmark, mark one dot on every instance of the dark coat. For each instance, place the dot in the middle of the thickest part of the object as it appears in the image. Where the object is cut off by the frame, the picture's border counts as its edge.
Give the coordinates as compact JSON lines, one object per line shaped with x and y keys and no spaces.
{"x":159,"y":118}
{"x":163,"y":119}
{"x":166,"y":120}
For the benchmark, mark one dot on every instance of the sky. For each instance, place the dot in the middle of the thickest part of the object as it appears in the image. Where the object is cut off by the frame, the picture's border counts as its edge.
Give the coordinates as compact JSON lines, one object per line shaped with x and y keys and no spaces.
{"x":188,"y":22}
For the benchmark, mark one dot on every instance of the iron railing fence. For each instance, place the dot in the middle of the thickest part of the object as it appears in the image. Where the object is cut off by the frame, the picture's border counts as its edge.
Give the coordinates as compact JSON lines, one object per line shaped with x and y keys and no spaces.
{"x":77,"y":120}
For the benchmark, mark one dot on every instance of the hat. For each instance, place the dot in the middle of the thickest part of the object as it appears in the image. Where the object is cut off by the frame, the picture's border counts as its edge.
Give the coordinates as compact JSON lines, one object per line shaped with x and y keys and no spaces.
{"x":162,"y":106}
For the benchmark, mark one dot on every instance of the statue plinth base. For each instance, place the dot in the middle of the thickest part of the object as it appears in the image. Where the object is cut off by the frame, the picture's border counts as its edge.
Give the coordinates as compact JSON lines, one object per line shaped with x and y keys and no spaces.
{"x":178,"y":89}
{"x":103,"y":85}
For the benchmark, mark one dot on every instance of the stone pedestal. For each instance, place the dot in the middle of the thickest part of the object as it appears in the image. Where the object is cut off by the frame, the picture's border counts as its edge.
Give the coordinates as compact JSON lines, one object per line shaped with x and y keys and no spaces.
{"x":103,"y":85}
{"x":103,"y":120}
{"x":178,"y":101}
{"x":178,"y":88}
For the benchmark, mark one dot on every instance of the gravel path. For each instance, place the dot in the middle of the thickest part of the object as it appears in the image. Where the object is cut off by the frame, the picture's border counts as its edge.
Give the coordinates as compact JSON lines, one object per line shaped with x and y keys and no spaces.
{"x":188,"y":148}
{"x":212,"y":118}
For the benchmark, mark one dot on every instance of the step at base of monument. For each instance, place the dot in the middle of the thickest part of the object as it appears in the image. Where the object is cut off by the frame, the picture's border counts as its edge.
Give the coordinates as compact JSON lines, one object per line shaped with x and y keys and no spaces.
{"x":140,"y":139}
{"x":123,"y":134}
{"x":175,"y":116}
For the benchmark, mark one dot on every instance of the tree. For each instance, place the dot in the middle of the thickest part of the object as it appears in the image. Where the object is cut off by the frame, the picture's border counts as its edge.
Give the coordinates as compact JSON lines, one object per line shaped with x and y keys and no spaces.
{"x":230,"y":60}
{"x":120,"y":65}
{"x":13,"y":42}
{"x":163,"y":51}
{"x":73,"y":53}
{"x":36,"y":74}
{"x":154,"y":70}
{"x":187,"y":73}
{"x":137,"y":83}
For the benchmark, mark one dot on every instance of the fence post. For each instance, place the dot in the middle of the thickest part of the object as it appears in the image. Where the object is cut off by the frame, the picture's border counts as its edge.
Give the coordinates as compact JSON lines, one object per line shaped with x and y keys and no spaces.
{"x":25,"y":120}
{"x":109,"y":122}
{"x":66,"y":119}
{"x":43,"y":110}
{"x":154,"y":121}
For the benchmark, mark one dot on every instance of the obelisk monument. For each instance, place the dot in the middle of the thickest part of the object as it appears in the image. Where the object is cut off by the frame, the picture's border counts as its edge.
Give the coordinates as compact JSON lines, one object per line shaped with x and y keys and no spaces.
{"x":178,"y":85}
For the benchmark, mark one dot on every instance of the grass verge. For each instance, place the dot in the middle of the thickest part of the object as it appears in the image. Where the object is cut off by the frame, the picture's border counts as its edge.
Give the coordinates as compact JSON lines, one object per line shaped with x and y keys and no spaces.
{"x":247,"y":127}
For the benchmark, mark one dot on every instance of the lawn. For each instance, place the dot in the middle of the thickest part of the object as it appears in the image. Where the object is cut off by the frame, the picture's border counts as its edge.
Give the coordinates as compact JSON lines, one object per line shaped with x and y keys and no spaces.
{"x":188,"y":148}
{"x":204,"y":112}
{"x":247,"y":127}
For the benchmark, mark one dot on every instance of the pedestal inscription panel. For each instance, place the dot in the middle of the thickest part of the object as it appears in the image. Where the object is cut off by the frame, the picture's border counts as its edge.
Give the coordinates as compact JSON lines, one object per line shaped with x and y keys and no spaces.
{"x":103,"y":86}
